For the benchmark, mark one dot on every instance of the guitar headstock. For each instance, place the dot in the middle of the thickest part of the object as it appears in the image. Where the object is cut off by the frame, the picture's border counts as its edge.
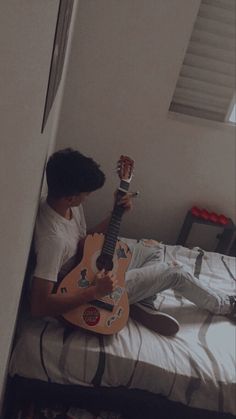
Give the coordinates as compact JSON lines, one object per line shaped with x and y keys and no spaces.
{"x":125,"y":168}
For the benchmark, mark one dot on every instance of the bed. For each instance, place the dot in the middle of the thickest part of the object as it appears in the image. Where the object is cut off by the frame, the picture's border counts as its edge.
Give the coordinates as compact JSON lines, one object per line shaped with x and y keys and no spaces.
{"x":190,"y":375}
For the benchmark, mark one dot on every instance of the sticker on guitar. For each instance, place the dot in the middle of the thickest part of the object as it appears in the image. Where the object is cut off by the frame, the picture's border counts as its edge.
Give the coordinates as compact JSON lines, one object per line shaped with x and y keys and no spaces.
{"x":115,"y":316}
{"x":91,"y":316}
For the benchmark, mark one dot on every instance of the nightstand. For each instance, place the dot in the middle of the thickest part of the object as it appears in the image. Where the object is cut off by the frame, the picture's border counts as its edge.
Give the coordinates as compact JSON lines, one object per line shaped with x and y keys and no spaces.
{"x":225,"y":239}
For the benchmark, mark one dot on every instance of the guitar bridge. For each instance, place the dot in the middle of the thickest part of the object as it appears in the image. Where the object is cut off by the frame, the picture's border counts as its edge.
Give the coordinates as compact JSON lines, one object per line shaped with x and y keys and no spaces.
{"x":102,"y":304}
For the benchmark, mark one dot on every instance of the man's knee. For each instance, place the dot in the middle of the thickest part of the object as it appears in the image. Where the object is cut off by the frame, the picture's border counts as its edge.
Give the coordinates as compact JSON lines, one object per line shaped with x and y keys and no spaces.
{"x":178,"y":275}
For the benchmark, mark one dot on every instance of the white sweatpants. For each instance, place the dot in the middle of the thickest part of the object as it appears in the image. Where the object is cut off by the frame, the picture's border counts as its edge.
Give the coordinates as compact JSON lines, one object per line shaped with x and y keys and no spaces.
{"x":149,"y":275}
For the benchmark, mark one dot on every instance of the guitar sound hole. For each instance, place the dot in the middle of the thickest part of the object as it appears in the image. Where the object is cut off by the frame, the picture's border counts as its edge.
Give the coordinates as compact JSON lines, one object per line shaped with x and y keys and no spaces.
{"x":104,"y":262}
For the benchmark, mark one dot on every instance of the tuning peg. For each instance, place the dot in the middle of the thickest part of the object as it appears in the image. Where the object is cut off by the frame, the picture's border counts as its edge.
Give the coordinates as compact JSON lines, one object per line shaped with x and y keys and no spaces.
{"x":134,"y":194}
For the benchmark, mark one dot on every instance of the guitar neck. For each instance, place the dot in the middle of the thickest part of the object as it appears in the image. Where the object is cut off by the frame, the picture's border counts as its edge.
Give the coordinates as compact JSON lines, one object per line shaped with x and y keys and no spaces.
{"x":115,"y":221}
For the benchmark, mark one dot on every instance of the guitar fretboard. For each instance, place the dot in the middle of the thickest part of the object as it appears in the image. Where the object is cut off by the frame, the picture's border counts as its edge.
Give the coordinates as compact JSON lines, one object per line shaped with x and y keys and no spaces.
{"x":114,"y":224}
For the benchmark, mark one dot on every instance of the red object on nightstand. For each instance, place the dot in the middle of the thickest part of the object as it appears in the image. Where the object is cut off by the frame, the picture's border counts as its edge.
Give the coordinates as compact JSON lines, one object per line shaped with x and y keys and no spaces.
{"x":209,"y":216}
{"x":214,"y":217}
{"x":204,"y":214}
{"x":195,"y":211}
{"x":222,"y":219}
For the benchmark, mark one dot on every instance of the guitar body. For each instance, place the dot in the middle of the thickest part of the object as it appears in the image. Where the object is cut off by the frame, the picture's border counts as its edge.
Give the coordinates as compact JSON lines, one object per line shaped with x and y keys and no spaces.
{"x":108,"y":314}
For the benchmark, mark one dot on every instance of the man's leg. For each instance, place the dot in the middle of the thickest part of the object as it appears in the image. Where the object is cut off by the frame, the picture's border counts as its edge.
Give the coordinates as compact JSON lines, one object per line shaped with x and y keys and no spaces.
{"x":145,"y":311}
{"x":151,"y":279}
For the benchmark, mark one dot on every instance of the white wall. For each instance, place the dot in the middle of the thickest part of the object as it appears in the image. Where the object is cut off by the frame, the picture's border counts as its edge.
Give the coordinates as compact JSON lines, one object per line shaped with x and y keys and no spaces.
{"x":123,"y":68}
{"x":27,"y":33}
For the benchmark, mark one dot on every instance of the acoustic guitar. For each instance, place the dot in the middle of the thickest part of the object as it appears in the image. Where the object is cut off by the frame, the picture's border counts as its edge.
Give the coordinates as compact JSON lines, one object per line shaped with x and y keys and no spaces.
{"x":109,"y":314}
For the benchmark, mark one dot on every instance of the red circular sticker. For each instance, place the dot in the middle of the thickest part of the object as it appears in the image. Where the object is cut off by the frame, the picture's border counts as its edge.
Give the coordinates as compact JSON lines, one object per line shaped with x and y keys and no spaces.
{"x":91,"y":316}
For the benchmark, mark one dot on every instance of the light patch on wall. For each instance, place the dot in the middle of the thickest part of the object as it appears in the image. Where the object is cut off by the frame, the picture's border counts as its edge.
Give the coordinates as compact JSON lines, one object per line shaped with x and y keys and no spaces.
{"x":232,"y":117}
{"x":58,"y":54}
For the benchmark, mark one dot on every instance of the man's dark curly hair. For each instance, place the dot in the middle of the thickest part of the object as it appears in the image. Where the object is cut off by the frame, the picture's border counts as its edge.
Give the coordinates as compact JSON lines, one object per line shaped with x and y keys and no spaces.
{"x":68,"y":173}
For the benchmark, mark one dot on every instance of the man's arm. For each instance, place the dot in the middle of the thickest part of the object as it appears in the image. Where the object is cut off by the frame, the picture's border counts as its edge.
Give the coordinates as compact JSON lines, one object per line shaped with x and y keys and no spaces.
{"x":101,"y":227}
{"x":44,"y":303}
{"x":125,"y":201}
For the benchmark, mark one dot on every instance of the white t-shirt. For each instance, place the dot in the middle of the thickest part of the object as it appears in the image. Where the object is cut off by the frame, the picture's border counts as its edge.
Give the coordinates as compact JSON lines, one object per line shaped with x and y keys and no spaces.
{"x":56,"y":239}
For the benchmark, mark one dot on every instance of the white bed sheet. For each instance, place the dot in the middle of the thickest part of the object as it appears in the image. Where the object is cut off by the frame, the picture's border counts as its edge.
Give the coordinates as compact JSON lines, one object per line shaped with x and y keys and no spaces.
{"x":196,"y":367}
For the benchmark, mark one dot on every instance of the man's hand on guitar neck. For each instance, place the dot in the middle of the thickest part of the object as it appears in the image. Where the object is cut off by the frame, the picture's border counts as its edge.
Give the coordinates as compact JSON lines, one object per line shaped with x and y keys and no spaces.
{"x":125,"y":201}
{"x":105,"y":283}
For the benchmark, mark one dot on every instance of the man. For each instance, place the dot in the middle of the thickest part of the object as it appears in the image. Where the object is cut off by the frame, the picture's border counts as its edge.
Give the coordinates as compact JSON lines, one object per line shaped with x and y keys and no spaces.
{"x":60,"y":226}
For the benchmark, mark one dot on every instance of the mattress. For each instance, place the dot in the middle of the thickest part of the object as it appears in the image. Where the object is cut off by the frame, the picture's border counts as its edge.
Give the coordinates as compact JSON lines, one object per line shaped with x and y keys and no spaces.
{"x":197,"y":367}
